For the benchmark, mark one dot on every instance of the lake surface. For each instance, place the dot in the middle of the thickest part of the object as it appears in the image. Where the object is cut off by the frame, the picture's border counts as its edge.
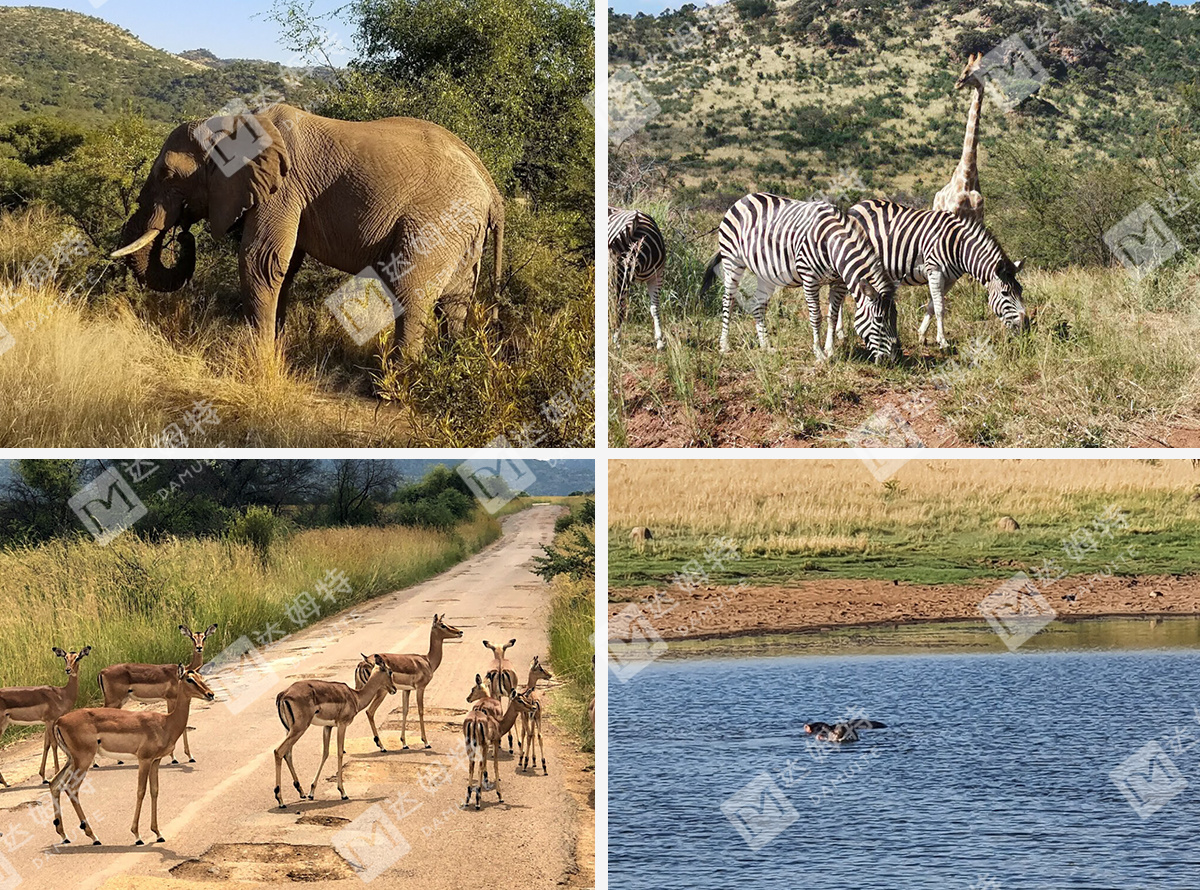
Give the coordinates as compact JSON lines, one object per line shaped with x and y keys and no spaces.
{"x":994,"y":771}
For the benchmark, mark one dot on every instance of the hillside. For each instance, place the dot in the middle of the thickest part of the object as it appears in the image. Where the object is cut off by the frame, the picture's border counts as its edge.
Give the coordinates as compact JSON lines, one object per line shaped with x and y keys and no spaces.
{"x":64,"y":64}
{"x":796,"y":95}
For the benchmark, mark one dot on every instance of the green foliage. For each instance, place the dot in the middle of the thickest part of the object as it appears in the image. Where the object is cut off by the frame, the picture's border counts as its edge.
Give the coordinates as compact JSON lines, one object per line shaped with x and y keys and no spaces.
{"x":259,"y":528}
{"x":37,"y":141}
{"x":583,"y":513}
{"x":754,"y":9}
{"x":440,"y":500}
{"x":572,"y":554}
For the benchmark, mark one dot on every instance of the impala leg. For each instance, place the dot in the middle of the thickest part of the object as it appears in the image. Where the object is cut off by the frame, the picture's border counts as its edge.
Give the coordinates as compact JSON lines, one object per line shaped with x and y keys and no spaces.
{"x":143,"y":777}
{"x":56,"y":787}
{"x":421,"y":714}
{"x":496,"y":767}
{"x":404,"y":720}
{"x":371,"y":709}
{"x":74,"y":781}
{"x":312,"y":794}
{"x":154,"y":800}
{"x":284,"y":752}
{"x":537,"y":727}
{"x":47,"y":742}
{"x":470,"y":763}
{"x":186,"y":749}
{"x":341,"y":756}
{"x":3,"y":724}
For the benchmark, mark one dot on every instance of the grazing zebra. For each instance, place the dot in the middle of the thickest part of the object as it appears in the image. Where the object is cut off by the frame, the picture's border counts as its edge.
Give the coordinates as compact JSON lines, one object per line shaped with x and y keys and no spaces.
{"x":636,"y":245}
{"x":937,"y":248}
{"x":788,"y":243}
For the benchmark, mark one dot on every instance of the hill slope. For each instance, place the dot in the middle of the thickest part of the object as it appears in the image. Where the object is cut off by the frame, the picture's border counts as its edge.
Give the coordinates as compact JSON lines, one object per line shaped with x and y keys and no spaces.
{"x":788,"y":95}
{"x":64,"y":64}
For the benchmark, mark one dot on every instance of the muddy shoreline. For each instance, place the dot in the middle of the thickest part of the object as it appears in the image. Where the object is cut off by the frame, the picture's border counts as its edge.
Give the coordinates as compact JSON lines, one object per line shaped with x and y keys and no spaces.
{"x":722,"y":612}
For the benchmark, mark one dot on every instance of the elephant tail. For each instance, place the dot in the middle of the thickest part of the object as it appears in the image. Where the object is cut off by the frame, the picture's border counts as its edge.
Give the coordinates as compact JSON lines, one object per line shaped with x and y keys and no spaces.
{"x":496,"y":223}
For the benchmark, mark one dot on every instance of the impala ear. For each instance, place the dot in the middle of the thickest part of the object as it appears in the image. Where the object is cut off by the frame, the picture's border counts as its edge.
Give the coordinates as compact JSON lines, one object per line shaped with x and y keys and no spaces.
{"x":182,"y":671}
{"x":84,"y":651}
{"x":487,"y":645}
{"x":59,"y":652}
{"x":366,"y":658}
{"x":511,"y":642}
{"x":211,"y":629}
{"x":185,"y":630}
{"x":478,"y":680}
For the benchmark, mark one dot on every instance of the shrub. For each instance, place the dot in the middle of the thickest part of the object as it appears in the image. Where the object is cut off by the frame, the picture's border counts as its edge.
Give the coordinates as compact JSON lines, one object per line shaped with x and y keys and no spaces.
{"x":259,"y":528}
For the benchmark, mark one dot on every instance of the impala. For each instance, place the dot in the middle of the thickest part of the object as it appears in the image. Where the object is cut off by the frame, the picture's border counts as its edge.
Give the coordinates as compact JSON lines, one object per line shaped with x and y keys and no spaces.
{"x":482,"y":699}
{"x":483,"y":732}
{"x":147,"y":735}
{"x":319,"y":702}
{"x":409,"y":672}
{"x":531,"y":722}
{"x":29,"y":705}
{"x":502,"y":677}
{"x":152,"y":682}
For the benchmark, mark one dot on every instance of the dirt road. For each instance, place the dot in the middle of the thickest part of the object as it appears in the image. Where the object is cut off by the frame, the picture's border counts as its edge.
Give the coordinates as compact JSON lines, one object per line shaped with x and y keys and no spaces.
{"x":219,"y":816}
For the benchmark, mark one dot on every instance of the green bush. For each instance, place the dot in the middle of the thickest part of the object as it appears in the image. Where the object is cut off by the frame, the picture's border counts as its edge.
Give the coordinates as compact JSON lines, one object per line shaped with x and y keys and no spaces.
{"x":260,"y":529}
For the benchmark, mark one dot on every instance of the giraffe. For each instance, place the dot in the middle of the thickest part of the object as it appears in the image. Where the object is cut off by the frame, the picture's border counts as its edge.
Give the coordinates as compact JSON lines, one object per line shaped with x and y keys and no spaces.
{"x":961,"y":195}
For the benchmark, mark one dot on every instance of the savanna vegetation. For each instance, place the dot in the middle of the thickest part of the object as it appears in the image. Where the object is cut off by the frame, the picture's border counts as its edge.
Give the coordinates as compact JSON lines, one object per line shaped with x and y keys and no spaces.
{"x":569,"y":565}
{"x":930,"y":522}
{"x":853,"y":100}
{"x":240,"y":543}
{"x":91,"y":357}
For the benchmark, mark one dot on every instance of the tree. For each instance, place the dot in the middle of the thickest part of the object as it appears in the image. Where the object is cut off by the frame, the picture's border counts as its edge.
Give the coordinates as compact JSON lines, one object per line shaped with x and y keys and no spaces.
{"x":356,"y":487}
{"x":34,"y":505}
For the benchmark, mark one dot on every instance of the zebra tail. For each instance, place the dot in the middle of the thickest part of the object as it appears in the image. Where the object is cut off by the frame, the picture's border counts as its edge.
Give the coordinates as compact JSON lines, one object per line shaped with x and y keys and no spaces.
{"x":710,"y":273}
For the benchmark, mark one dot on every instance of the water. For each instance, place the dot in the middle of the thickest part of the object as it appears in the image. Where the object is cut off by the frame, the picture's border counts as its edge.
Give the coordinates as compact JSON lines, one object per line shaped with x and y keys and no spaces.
{"x":994,"y":771}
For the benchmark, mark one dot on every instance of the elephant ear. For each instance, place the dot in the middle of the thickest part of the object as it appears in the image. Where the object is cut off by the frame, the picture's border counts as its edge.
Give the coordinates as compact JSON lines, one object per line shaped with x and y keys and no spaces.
{"x":246,"y":160}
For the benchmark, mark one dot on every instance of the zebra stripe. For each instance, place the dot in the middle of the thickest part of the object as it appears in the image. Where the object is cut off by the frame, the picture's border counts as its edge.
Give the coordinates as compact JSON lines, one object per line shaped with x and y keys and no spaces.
{"x":806,"y":244}
{"x":636,"y":247}
{"x":937,"y":248}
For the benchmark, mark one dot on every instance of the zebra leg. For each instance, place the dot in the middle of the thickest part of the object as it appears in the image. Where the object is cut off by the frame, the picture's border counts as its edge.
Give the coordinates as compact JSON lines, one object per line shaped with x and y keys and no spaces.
{"x":837,"y":296}
{"x":653,"y":284}
{"x":937,"y":301}
{"x":761,"y":298}
{"x":812,"y":296}
{"x":733,"y":277}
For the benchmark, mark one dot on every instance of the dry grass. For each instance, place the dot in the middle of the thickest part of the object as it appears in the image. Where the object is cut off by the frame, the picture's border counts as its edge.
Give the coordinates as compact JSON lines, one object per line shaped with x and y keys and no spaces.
{"x":126,"y":600}
{"x":817,"y":503}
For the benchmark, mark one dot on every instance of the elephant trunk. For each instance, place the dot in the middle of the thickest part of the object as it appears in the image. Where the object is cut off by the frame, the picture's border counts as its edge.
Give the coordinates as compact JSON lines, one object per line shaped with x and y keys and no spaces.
{"x":145,"y":235}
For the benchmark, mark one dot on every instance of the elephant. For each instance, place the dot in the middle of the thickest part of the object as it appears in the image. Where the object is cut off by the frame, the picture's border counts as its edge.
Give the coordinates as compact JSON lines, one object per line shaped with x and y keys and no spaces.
{"x":399,"y":197}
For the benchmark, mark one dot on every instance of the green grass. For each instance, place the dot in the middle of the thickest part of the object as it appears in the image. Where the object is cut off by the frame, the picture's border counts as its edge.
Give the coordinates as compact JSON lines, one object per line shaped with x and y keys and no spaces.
{"x":127,"y":600}
{"x":572,"y":631}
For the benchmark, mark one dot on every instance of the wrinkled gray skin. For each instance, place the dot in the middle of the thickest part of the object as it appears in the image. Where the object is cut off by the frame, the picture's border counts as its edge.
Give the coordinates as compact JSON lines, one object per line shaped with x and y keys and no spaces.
{"x":352,"y":195}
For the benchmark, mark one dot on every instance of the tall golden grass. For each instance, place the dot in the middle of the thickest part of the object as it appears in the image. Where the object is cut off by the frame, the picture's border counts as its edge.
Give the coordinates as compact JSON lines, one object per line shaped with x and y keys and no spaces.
{"x":127,"y":599}
{"x":819,"y":505}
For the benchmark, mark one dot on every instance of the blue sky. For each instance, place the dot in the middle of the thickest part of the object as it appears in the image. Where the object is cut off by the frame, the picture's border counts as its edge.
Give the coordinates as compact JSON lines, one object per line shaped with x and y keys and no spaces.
{"x":227,"y":27}
{"x":653,"y":7}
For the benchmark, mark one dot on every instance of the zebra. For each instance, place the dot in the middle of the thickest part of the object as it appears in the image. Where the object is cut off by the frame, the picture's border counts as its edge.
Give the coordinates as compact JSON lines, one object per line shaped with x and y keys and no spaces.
{"x":636,"y":246}
{"x":789,"y":243}
{"x":937,"y":248}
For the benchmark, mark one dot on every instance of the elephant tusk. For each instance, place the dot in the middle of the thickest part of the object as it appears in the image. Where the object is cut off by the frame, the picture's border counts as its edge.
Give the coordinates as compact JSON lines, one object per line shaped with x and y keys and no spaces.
{"x":136,"y":245}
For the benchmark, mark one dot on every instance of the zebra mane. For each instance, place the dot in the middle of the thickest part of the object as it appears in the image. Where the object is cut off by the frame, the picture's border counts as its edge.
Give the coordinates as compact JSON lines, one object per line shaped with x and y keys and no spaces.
{"x":977,"y":227}
{"x":857,"y":236}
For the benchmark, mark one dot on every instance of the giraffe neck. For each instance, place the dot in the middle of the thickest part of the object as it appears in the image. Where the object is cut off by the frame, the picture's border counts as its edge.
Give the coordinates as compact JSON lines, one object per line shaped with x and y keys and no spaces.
{"x":968,"y":164}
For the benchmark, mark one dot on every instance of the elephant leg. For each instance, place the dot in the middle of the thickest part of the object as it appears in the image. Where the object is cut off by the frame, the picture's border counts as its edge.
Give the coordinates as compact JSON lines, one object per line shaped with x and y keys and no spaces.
{"x":285,"y":290}
{"x":268,"y":249}
{"x":417,"y":292}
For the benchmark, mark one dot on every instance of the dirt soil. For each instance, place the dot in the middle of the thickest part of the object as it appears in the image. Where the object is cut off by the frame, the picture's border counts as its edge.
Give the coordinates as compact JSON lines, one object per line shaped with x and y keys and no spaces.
{"x":730,"y":417}
{"x":713,"y":612}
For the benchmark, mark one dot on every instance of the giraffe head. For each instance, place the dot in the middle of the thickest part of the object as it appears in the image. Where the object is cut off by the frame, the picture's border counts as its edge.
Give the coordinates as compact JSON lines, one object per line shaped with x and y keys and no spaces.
{"x":970,"y":73}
